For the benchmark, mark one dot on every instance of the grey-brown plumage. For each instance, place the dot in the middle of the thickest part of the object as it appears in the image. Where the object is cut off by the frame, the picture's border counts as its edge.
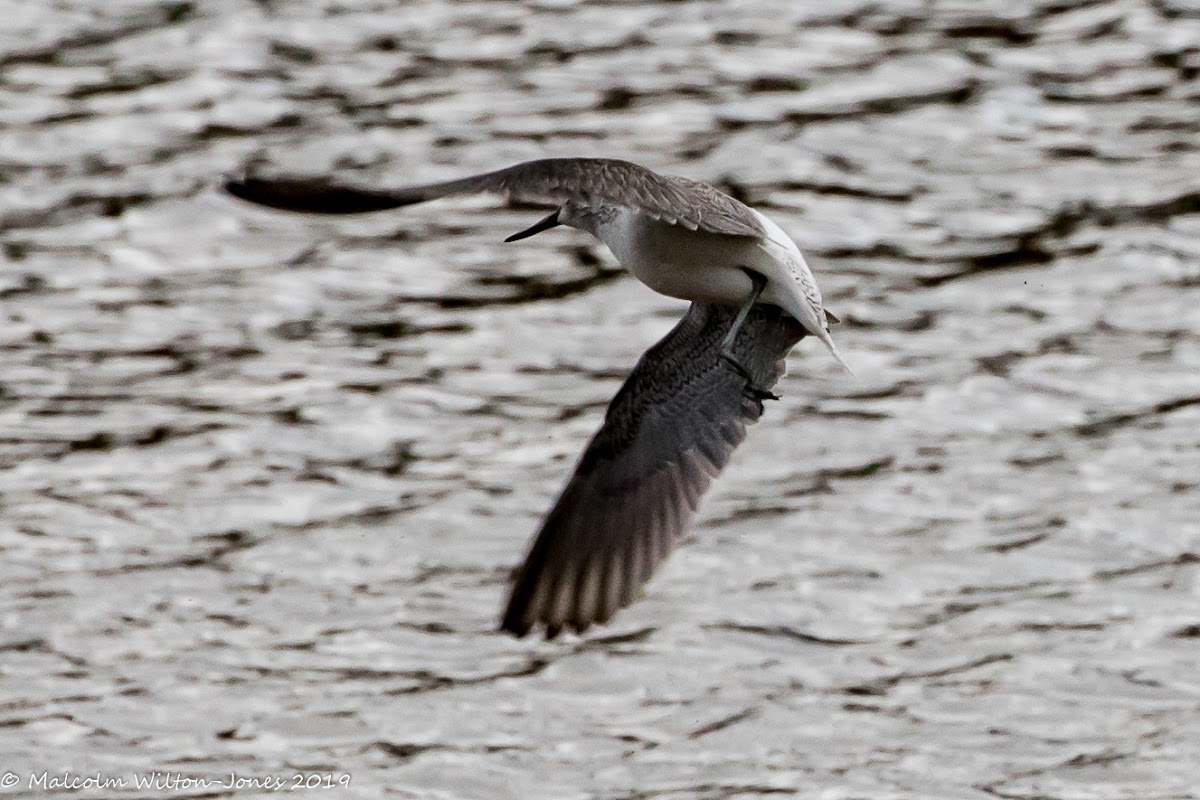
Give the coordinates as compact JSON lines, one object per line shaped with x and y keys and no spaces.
{"x":684,"y":409}
{"x":680,"y":237}
{"x":593,"y":182}
{"x":668,"y":432}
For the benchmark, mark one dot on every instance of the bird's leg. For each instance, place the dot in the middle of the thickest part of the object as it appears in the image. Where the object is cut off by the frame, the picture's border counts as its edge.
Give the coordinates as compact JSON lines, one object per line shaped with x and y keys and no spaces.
{"x":759,"y":393}
{"x":545,"y":225}
{"x":760,"y":284}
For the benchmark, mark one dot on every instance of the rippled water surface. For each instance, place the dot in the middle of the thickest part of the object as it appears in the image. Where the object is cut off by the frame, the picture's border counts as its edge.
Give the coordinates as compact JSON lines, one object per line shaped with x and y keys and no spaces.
{"x":263,"y":478}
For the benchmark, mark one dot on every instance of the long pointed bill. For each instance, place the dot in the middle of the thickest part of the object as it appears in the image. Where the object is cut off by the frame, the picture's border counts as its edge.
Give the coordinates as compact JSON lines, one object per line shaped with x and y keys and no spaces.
{"x":545,"y":225}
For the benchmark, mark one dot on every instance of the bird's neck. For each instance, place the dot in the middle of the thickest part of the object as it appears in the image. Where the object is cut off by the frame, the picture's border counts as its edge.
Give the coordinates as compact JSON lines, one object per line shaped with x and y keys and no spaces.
{"x":588,"y":218}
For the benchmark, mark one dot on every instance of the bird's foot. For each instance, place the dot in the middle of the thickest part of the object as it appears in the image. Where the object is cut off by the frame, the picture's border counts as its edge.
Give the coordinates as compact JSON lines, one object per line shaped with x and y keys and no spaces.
{"x":755,"y":391}
{"x":759,"y":393}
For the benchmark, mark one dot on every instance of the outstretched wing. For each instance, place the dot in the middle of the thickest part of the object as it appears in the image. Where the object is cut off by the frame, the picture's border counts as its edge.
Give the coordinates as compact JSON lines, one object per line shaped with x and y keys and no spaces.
{"x":548,"y":181}
{"x":668,"y":432}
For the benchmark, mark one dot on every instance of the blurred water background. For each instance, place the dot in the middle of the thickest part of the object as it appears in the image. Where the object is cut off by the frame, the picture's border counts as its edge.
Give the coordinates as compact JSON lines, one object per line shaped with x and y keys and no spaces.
{"x":263,"y":478}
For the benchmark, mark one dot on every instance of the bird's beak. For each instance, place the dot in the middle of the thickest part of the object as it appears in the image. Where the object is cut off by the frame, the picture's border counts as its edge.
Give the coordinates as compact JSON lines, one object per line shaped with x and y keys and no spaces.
{"x":545,"y":225}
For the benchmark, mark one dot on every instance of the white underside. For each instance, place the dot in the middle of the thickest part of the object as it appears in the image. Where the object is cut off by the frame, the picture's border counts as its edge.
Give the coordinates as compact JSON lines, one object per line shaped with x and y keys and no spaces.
{"x":707,"y":267}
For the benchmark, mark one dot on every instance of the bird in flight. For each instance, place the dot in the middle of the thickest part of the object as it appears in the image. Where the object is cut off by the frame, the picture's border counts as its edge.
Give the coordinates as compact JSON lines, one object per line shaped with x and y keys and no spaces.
{"x":674,"y":423}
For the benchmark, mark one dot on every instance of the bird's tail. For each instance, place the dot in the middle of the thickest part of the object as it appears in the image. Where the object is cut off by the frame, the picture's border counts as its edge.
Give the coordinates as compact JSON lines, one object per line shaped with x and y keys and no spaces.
{"x":828,"y":340}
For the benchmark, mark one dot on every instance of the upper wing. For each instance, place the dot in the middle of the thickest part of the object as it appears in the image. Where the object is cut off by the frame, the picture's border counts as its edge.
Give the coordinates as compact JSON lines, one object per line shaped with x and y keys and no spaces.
{"x":549,"y":181}
{"x":668,"y":432}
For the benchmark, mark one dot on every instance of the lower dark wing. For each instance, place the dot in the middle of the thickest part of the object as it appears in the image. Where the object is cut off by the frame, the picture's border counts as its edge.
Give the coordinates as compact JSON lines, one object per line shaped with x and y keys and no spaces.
{"x":668,"y":432}
{"x":547,"y":181}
